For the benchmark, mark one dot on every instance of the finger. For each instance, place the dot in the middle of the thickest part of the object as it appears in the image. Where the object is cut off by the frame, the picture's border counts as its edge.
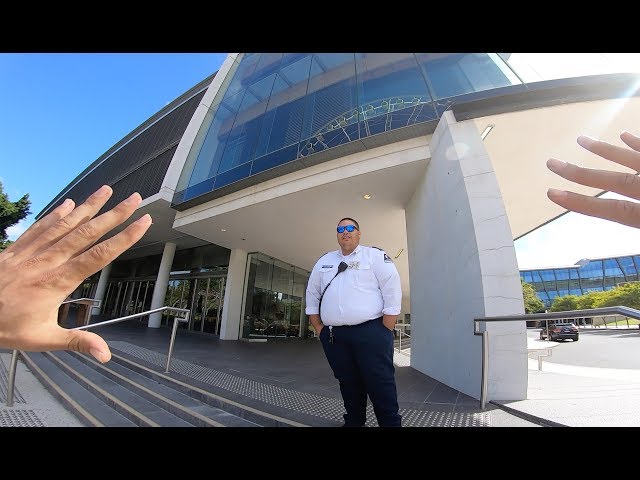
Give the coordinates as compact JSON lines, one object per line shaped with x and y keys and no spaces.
{"x":55,"y":337}
{"x":86,"y":234}
{"x":625,"y":184}
{"x":631,"y":140}
{"x":66,"y":224}
{"x":87,"y":342}
{"x":621,"y":211}
{"x":35,"y":230}
{"x":620,"y":155}
{"x":69,"y":275}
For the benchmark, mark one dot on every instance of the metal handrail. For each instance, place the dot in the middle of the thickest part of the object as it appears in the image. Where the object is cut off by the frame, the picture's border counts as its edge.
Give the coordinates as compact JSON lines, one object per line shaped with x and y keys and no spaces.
{"x":571,"y":314}
{"x":186,"y":311}
{"x":402,"y":332}
{"x":83,"y":300}
{"x":95,"y":303}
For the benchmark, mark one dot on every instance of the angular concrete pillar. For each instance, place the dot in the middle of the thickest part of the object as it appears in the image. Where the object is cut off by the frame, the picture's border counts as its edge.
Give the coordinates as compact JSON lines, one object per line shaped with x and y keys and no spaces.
{"x":162,"y":282}
{"x":101,"y":288}
{"x":463,"y":266}
{"x":232,"y":306}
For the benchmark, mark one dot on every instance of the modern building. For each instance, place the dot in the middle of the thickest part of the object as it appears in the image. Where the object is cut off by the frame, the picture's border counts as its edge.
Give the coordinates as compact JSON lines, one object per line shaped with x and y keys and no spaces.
{"x":440,"y":158}
{"x":587,"y":275}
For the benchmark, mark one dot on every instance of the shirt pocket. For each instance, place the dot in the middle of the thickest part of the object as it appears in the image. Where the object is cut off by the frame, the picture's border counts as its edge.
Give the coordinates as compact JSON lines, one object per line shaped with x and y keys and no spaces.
{"x":326,"y":274}
{"x":364,"y":275}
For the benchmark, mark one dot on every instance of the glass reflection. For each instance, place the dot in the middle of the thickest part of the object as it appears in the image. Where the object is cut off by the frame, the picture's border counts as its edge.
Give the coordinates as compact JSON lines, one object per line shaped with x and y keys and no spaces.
{"x":278,"y":108}
{"x":273,"y":304}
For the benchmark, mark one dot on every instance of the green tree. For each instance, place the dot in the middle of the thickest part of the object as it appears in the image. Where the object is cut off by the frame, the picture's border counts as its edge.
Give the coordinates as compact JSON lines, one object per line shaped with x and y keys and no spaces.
{"x":532,"y":304}
{"x":565,"y":303}
{"x":10,"y":214}
{"x":624,"y":295}
{"x":584,"y":302}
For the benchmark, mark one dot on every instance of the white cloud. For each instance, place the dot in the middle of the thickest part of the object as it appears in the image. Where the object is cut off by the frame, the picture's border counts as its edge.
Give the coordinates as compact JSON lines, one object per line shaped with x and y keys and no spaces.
{"x":18,"y":229}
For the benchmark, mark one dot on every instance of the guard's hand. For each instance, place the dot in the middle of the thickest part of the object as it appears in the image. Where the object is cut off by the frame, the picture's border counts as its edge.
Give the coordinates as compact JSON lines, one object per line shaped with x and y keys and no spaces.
{"x":48,"y":262}
{"x":627,"y":184}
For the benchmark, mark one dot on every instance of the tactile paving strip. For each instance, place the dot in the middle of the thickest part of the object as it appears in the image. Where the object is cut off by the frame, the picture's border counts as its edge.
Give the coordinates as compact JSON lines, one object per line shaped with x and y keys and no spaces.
{"x":4,"y":385}
{"x":310,"y":404}
{"x":19,"y":418}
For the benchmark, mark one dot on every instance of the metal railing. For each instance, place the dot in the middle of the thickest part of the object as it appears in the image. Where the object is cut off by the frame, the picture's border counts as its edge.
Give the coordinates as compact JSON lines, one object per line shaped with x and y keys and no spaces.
{"x":400,"y":328}
{"x":91,"y":304}
{"x":569,"y":315}
{"x":186,"y":311}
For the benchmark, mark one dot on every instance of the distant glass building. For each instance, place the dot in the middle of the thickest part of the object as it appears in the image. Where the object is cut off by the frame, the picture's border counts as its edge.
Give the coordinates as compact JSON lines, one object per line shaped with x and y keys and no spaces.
{"x":585,"y":276}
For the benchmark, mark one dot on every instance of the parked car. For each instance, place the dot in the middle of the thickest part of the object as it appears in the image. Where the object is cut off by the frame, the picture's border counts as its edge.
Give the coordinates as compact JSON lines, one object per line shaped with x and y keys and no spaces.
{"x":560,"y":331}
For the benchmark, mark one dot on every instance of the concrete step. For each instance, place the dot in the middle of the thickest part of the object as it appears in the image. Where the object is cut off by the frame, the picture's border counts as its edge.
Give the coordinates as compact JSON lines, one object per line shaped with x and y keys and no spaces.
{"x":114,"y":395}
{"x":201,"y":392}
{"x":88,"y":408}
{"x":177,"y":397}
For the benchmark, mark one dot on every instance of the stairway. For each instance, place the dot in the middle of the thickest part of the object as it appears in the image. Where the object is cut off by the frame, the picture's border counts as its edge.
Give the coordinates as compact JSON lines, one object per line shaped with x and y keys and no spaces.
{"x":126,"y":393}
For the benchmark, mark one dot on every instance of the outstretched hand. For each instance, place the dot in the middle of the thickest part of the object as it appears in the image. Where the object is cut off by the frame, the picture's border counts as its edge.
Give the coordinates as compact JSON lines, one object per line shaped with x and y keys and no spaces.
{"x":48,"y":262}
{"x":627,"y":184}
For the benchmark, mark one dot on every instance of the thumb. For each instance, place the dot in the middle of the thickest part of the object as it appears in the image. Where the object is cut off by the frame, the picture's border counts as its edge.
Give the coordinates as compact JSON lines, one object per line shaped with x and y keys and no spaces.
{"x":88,"y":342}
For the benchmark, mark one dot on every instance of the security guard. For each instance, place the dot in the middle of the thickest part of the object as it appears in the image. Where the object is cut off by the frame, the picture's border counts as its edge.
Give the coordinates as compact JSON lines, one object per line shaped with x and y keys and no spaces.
{"x":353,"y":299}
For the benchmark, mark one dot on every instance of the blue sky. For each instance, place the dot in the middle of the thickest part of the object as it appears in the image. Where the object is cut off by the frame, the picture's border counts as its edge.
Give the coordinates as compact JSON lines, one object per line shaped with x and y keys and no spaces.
{"x":60,"y":112}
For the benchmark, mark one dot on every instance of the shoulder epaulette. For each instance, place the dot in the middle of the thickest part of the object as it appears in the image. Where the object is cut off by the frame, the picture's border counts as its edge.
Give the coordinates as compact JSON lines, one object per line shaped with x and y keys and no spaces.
{"x":387,"y":258}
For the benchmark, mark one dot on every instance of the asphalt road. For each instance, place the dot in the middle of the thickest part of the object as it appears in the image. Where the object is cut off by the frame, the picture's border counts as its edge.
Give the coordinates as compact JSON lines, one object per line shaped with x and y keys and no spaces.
{"x":603,"y":348}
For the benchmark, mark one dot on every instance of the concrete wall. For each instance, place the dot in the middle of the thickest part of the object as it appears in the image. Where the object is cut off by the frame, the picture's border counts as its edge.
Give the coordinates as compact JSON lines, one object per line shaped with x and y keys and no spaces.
{"x":462,"y":266}
{"x":233,"y":299}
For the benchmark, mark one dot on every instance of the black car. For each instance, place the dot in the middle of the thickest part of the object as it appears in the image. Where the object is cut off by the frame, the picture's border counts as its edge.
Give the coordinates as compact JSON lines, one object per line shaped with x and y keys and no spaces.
{"x":560,"y":331}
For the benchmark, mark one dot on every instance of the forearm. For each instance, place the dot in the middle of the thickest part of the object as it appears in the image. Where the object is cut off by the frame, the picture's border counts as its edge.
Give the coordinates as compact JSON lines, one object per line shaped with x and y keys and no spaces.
{"x":316,"y":323}
{"x":389,"y":321}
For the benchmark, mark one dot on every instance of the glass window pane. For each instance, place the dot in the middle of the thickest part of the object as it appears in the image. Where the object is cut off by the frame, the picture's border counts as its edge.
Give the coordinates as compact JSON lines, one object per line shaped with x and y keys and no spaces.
{"x":392,"y":92}
{"x":244,"y":133}
{"x":282,"y":123}
{"x":215,"y":141}
{"x":452,"y":74}
{"x":627,"y":265}
{"x":331,"y":107}
{"x":243,"y":74}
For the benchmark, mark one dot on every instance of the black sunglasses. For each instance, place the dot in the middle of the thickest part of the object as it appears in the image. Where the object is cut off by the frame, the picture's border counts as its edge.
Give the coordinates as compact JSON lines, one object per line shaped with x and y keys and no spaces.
{"x":348,"y":228}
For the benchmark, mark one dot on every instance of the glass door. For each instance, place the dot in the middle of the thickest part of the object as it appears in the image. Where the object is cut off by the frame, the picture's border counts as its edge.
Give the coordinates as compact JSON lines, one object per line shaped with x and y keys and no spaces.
{"x":207,"y":304}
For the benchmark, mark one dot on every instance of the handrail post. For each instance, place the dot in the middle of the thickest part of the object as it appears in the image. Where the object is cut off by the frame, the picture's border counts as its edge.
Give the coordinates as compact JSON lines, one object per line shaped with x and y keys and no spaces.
{"x":12,"y":377}
{"x":485,"y":368}
{"x":566,"y":315}
{"x":173,"y":337}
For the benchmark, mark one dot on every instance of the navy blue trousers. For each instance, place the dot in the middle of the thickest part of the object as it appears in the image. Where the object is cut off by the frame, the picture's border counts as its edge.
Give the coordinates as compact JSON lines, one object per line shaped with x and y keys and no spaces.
{"x":361,"y":357}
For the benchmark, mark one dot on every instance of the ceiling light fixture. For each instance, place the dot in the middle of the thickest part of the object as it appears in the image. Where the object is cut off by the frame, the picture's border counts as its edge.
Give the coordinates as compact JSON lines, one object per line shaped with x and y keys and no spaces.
{"x":223,"y":229}
{"x":486,"y":131}
{"x":366,"y":196}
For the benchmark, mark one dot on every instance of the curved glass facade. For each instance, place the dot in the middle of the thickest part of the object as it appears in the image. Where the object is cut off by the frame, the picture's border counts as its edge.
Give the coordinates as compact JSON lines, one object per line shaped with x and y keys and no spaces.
{"x":587,"y":275}
{"x":284,"y":107}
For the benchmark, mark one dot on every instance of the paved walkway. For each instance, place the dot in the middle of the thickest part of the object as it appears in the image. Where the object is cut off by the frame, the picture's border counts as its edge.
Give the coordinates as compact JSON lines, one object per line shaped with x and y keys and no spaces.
{"x":577,"y":396}
{"x":559,"y":395}
{"x":33,"y":405}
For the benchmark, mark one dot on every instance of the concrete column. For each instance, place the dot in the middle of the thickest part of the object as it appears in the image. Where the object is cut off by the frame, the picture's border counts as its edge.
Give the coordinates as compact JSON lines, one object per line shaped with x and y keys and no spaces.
{"x":129,"y":297}
{"x":102,"y":287}
{"x":463,"y":266}
{"x":232,"y":306}
{"x":162,"y":282}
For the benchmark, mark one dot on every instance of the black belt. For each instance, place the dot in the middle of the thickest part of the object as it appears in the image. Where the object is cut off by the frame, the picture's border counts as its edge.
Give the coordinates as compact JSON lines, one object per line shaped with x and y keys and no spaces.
{"x":357,"y":324}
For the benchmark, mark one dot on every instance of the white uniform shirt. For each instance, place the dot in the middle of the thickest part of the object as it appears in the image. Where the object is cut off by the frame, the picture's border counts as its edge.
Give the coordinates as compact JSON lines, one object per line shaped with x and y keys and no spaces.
{"x":368,"y":289}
